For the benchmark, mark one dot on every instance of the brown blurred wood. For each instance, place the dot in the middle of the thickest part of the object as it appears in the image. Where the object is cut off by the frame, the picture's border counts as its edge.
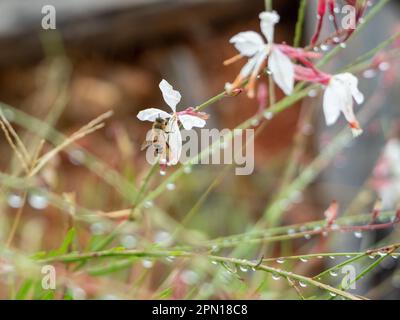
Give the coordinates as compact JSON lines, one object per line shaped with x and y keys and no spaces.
{"x":111,"y":25}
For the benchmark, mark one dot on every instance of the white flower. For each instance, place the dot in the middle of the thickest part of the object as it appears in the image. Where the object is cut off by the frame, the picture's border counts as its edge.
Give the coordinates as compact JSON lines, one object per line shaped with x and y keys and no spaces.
{"x":252,"y":45}
{"x":338,"y":97}
{"x":188,"y":121}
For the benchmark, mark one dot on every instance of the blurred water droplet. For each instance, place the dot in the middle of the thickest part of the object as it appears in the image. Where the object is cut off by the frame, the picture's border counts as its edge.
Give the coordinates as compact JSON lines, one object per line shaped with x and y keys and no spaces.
{"x":382,"y":253}
{"x":190,"y":277}
{"x":336,"y":9}
{"x":170,"y":258}
{"x":343,"y":45}
{"x":171,"y":186}
{"x":214,"y":262}
{"x":302,"y":284}
{"x":312,"y":93}
{"x":358,"y":234}
{"x":98,"y":228}
{"x":230,"y":267}
{"x":76,"y":157}
{"x":324,"y":47}
{"x":332,"y":257}
{"x":268,"y":115}
{"x":280,"y":260}
{"x":336,"y":39}
{"x":333,"y":294}
{"x":163,"y":172}
{"x":333,"y":273}
{"x":320,"y":257}
{"x":187,"y":169}
{"x":302,"y":259}
{"x":147,"y":264}
{"x":276,"y":276}
{"x":128,"y":241}
{"x":38,"y":201}
{"x":316,"y":49}
{"x":361,"y":20}
{"x":15,"y":201}
{"x":371,"y":256}
{"x":244,"y":268}
{"x":369,"y":74}
{"x":148,"y":204}
{"x":163,"y":237}
{"x":307,"y":236}
{"x":384,"y":66}
{"x":331,"y":17}
{"x":394,"y":256}
{"x":255,"y":122}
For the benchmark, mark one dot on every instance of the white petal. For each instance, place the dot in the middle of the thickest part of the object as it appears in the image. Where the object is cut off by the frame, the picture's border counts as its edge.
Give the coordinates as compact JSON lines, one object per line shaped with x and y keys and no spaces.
{"x":352,"y":82}
{"x":248,"y":43}
{"x":249,"y":66}
{"x":174,"y":141}
{"x":282,"y":70}
{"x":267,"y":24}
{"x":151,"y":114}
{"x":189,"y":121}
{"x":171,"y":96}
{"x":334,"y":99}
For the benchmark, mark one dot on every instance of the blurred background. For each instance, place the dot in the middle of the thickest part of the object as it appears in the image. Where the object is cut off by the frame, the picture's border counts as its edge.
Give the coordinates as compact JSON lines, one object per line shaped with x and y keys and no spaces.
{"x":111,"y":55}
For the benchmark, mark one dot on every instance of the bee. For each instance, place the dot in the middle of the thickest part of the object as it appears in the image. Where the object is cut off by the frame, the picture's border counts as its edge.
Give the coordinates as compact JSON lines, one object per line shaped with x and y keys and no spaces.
{"x":158,"y":137}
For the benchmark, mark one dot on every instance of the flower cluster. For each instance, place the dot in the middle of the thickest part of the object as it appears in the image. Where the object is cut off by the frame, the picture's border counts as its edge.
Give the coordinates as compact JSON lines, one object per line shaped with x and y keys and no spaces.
{"x":284,"y":63}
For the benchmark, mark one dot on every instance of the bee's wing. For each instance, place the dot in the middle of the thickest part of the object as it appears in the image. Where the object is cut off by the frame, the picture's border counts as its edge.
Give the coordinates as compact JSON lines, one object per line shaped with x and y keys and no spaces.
{"x":174,"y":141}
{"x":145,"y":145}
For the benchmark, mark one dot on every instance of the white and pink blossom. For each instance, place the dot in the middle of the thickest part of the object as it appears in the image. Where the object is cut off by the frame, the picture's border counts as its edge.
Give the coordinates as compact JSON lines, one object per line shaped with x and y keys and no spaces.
{"x":188,"y":118}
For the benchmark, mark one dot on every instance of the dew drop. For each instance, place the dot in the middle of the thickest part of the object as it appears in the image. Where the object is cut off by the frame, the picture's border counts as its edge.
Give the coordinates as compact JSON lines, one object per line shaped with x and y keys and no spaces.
{"x":128,"y":241}
{"x":336,"y":39}
{"x":307,"y":236}
{"x":276,"y":276}
{"x":280,"y":260}
{"x":163,"y":172}
{"x":268,"y":115}
{"x":171,"y":186}
{"x":395,"y":256}
{"x":333,"y":294}
{"x":336,"y":9}
{"x":38,"y":201}
{"x":255,"y":122}
{"x":214,"y":262}
{"x":324,"y":47}
{"x":358,"y":234}
{"x":244,"y":268}
{"x":331,"y":17}
{"x":382,"y":253}
{"x":187,"y":169}
{"x":302,"y":259}
{"x":332,"y":257}
{"x":333,"y":273}
{"x":291,"y":231}
{"x":302,"y":284}
{"x":312,"y":93}
{"x":189,"y":277}
{"x":316,"y":49}
{"x":147,"y":264}
{"x":343,"y":45}
{"x":369,"y":74}
{"x":384,"y":66}
{"x":15,"y":201}
{"x":371,"y":256}
{"x":76,"y":157}
{"x":320,"y":257}
{"x":148,"y":204}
